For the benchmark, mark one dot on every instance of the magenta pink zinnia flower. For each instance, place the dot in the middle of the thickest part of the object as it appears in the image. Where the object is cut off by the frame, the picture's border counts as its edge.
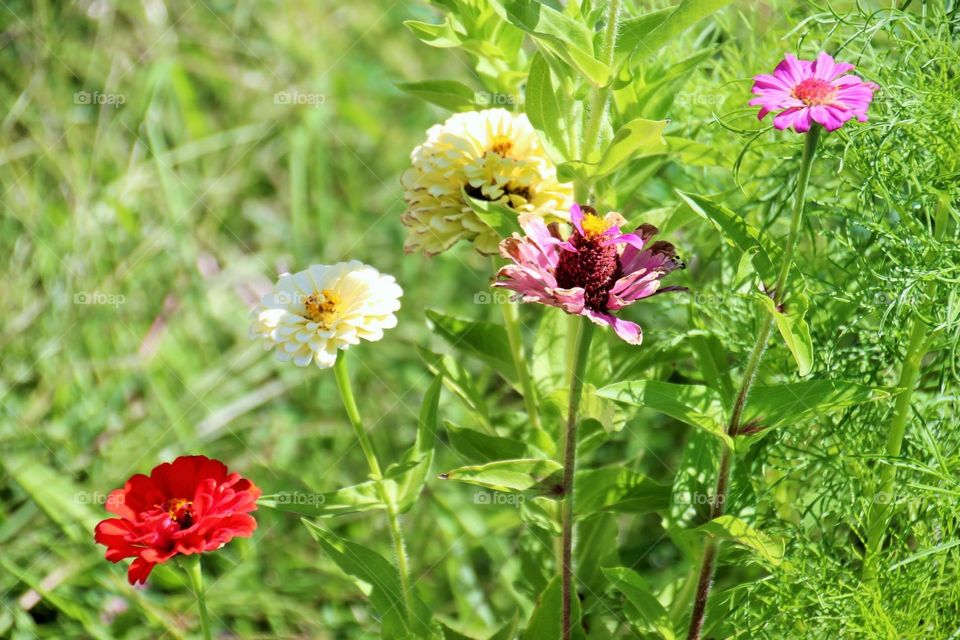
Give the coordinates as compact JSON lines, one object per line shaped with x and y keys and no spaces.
{"x":594,"y":272}
{"x":805,"y":92}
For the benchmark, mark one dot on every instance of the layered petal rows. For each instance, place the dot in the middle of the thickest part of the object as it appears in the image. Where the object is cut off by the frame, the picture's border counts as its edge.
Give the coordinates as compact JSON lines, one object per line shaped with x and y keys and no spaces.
{"x":191,"y":505}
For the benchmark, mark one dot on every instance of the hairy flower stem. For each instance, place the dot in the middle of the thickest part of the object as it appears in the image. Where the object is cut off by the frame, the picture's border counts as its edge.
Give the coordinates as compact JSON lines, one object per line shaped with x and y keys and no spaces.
{"x":342,"y":374}
{"x":511,"y":320}
{"x":882,"y":501}
{"x":719,"y":498}
{"x":569,"y":466}
{"x":195,"y":575}
{"x":600,"y":95}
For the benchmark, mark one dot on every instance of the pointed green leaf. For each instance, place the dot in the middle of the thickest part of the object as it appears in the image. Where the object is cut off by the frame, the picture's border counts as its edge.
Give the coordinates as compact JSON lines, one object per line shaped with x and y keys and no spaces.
{"x":696,"y":405}
{"x":544,"y":623}
{"x":448,"y":94}
{"x":506,"y":475}
{"x":618,"y":489}
{"x":793,"y":328}
{"x":643,"y":609}
{"x":737,"y":233}
{"x":483,"y":447}
{"x":545,"y":107}
{"x":793,"y":403}
{"x":483,"y":340}
{"x":503,"y":220}
{"x":380,"y":581}
{"x":736,"y":530}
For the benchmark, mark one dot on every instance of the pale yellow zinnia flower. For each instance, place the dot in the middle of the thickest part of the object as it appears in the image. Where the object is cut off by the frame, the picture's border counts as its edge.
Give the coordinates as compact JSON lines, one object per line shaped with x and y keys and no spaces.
{"x":312,"y":314}
{"x":493,"y":155}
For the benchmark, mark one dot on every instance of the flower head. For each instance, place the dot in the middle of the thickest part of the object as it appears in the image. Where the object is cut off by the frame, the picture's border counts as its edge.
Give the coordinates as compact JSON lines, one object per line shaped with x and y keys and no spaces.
{"x":491,"y":155}
{"x":596,"y":271}
{"x":188,"y":506}
{"x":313,"y":313}
{"x":805,"y":92}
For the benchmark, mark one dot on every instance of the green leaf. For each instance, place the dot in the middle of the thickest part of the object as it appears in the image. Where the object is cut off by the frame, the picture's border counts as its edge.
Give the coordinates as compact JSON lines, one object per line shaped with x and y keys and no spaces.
{"x":380,"y":581}
{"x":737,"y":233}
{"x":643,"y":609}
{"x":696,"y":154}
{"x":482,"y":447}
{"x":694,"y":482}
{"x":548,"y":365}
{"x":435,"y":35}
{"x":633,"y":140}
{"x":796,"y":402}
{"x":353,"y":499}
{"x":636,"y":29}
{"x":55,"y":494}
{"x":793,"y":328}
{"x":636,"y":138}
{"x":712,"y":360}
{"x":503,"y":220}
{"x":545,"y":107}
{"x":483,"y":340}
{"x":696,"y":405}
{"x":410,"y":484}
{"x":448,"y":94}
{"x":736,"y":530}
{"x":620,"y":490}
{"x":559,"y":34}
{"x":545,"y":620}
{"x":595,"y":547}
{"x":646,"y":38}
{"x":510,"y":476}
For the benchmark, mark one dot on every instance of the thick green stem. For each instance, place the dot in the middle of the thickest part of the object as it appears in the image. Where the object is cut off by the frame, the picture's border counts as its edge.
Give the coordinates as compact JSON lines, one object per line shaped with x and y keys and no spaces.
{"x":195,"y":575}
{"x":511,"y":320}
{"x":883,"y":501}
{"x":600,"y":95}
{"x":721,"y":489}
{"x":342,"y":375}
{"x":569,"y":467}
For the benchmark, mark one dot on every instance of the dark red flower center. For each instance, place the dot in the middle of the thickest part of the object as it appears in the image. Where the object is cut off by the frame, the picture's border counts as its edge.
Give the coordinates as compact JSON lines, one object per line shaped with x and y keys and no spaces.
{"x":814,"y":92}
{"x":594,"y":266}
{"x":180,"y":510}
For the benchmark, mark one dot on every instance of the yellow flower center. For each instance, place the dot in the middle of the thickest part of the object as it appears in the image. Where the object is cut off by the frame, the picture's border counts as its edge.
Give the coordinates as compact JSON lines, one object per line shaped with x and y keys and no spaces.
{"x":501,"y":145}
{"x":180,"y":511}
{"x":321,"y":307}
{"x":814,"y":92}
{"x":593,"y":226}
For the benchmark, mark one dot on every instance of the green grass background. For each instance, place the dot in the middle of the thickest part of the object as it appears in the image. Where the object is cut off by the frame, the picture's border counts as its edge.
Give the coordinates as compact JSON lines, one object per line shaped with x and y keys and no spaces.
{"x":176,"y":209}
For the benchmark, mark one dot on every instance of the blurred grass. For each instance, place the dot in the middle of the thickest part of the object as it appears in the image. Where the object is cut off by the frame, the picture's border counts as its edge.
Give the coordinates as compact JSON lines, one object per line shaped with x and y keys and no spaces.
{"x":259,"y":137}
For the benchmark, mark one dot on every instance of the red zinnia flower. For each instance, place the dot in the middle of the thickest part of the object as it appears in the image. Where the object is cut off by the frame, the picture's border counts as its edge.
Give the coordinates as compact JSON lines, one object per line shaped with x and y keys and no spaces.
{"x":188,"y":506}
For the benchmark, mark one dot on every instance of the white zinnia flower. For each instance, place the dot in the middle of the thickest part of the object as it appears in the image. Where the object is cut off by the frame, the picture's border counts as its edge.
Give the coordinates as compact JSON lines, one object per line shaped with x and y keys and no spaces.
{"x":492,"y":155}
{"x":313,"y":313}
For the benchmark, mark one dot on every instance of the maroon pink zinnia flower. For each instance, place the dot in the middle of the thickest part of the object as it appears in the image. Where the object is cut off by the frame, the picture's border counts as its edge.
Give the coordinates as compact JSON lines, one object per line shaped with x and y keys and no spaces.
{"x":596,"y":271}
{"x":805,"y":92}
{"x":188,"y":506}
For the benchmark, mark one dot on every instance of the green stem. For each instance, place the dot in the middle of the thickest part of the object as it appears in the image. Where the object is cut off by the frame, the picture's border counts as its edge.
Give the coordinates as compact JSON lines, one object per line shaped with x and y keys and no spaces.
{"x":569,"y":467}
{"x":195,"y":575}
{"x":883,"y":502}
{"x":511,"y":320}
{"x":342,"y":375}
{"x":721,"y":489}
{"x":600,"y":95}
